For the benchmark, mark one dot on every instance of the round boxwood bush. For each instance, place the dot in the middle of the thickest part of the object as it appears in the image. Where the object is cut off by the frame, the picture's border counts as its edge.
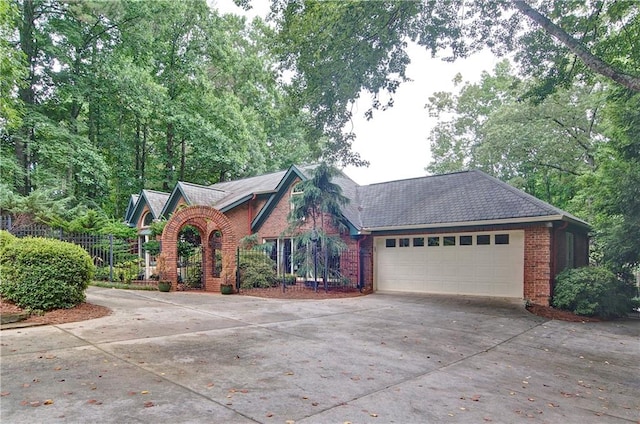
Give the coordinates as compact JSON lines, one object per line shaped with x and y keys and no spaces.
{"x":593,"y":291}
{"x":44,"y":274}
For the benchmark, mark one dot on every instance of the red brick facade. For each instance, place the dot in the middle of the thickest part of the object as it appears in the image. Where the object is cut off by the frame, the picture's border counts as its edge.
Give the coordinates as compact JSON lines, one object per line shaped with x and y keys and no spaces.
{"x":545,"y":247}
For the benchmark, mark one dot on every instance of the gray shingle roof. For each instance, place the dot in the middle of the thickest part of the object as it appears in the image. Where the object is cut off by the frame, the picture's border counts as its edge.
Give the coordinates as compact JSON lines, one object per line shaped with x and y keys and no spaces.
{"x":468,"y":196}
{"x":452,"y":199}
{"x":201,"y":195}
{"x":238,"y":189}
{"x":225,"y":194}
{"x":156,"y":201}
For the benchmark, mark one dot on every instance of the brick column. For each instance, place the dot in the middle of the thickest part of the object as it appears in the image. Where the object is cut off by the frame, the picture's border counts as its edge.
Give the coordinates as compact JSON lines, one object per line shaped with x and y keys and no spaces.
{"x":207,"y":220}
{"x":537,"y":265}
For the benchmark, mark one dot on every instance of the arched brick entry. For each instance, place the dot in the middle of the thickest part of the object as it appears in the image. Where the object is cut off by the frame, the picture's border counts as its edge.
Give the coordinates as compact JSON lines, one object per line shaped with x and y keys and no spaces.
{"x":207,"y":220}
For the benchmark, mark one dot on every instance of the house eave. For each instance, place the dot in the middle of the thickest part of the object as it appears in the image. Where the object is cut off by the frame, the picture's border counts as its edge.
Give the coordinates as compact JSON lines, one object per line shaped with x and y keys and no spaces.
{"x":527,"y":220}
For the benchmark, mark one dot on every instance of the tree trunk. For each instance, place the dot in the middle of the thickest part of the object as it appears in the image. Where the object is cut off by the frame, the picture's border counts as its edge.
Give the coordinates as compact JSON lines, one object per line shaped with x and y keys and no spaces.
{"x":591,"y":61}
{"x":169,"y":167}
{"x":26,"y":93}
{"x":138,"y":147}
{"x":143,"y":159}
{"x":183,"y":158}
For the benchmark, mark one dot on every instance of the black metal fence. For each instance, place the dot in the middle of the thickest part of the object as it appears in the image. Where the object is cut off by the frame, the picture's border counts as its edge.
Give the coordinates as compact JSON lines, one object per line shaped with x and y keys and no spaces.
{"x":261,"y":270}
{"x":116,"y":259}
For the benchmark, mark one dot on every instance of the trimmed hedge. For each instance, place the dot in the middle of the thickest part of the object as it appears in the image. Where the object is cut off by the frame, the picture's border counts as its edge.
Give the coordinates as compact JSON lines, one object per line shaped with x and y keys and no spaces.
{"x":44,"y":274}
{"x":593,"y":291}
{"x":6,"y":238}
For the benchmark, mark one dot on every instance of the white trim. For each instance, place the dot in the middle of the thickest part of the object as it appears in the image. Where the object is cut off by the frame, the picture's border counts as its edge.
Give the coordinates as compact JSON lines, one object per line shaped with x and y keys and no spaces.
{"x":537,"y":219}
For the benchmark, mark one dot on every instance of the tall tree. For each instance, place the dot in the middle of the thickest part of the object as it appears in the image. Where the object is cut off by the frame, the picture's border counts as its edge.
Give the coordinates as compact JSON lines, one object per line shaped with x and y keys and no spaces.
{"x":338,"y":49}
{"x":321,"y":200}
{"x":541,"y":148}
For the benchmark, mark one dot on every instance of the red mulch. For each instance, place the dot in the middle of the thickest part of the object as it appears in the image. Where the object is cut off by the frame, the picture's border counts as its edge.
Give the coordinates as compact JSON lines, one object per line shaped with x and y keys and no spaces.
{"x":82,"y":312}
{"x":301,"y":294}
{"x":557,"y":314}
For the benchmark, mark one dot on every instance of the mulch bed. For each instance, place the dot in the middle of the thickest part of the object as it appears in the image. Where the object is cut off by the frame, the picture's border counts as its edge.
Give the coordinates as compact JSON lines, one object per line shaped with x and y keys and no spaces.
{"x":552,"y":313}
{"x":298,"y":293}
{"x":82,"y":312}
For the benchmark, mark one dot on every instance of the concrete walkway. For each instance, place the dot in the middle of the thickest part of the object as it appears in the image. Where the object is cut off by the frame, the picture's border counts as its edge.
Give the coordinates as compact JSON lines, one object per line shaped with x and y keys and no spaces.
{"x":382,"y":358}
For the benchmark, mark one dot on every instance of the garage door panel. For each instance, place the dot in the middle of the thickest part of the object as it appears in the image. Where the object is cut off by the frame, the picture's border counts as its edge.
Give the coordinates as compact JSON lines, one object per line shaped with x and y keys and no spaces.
{"x":488,"y":270}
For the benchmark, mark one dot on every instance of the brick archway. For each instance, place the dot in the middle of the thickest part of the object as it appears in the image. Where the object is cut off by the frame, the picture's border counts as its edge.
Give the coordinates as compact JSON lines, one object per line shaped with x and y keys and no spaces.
{"x":207,"y":220}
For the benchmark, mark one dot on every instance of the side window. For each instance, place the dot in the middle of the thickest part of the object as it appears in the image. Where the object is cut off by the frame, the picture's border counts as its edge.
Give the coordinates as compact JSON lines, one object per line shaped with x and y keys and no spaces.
{"x":147,"y":220}
{"x":390,"y":243}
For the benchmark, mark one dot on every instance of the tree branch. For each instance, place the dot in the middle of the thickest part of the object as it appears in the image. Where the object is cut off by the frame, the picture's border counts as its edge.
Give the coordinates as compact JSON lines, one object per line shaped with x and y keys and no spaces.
{"x":591,"y":61}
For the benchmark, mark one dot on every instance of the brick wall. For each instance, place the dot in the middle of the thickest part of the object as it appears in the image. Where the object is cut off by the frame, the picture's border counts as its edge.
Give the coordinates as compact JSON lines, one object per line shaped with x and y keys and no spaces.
{"x":277,"y":221}
{"x":207,"y":220}
{"x":537,"y":264}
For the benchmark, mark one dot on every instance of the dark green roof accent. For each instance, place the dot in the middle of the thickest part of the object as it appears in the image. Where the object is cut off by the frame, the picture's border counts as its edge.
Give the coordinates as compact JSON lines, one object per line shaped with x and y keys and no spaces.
{"x":292,"y":173}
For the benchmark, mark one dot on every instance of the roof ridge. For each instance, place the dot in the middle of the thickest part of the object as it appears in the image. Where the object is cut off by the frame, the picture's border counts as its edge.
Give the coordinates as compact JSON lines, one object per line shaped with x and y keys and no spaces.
{"x":156,"y":191}
{"x":201,"y":186}
{"x":246,"y":178}
{"x":417,"y":178}
{"x":522,"y":194}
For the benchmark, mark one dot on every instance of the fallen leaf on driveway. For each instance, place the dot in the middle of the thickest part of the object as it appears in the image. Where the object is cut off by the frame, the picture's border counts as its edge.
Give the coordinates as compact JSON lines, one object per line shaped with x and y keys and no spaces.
{"x":5,"y":393}
{"x":34,"y":404}
{"x":48,"y":402}
{"x":148,"y":404}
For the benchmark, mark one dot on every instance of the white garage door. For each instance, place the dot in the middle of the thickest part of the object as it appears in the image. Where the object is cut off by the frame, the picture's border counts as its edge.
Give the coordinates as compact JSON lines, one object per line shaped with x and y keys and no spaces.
{"x":484,"y":263}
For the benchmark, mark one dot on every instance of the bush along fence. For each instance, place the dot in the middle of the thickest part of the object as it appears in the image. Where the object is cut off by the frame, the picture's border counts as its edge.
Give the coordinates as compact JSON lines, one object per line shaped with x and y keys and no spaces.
{"x":265,"y":270}
{"x":116,"y":259}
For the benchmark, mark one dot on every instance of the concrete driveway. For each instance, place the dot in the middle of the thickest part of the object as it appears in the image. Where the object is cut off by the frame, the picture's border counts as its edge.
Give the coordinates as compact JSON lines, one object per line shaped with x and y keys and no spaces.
{"x":382,"y":358}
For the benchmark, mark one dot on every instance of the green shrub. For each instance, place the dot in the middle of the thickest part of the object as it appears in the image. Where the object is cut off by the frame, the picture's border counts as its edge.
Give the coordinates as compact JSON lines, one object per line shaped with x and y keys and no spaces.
{"x":257,"y":270}
{"x":593,"y":291}
{"x":126,"y":271}
{"x":5,"y":239}
{"x":44,"y":274}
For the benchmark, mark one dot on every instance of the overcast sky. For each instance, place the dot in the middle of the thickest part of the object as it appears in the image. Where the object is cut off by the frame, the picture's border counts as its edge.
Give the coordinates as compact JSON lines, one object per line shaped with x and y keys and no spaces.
{"x":396,"y":141}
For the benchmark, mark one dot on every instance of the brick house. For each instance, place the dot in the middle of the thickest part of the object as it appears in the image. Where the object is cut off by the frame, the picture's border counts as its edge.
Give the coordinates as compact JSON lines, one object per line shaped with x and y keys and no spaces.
{"x":461,"y":233}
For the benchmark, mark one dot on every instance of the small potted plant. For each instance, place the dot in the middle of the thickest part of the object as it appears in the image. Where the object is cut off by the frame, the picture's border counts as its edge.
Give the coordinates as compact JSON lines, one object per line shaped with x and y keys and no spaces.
{"x":226,"y":287}
{"x":164,"y":286}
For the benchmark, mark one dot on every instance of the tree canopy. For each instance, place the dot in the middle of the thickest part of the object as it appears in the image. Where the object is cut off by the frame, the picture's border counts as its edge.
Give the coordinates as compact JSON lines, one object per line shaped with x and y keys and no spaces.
{"x":103,"y":99}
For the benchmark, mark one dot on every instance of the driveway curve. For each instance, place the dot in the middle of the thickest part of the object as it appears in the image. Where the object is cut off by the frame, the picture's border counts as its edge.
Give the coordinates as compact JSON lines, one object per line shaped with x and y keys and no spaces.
{"x":383,"y":358}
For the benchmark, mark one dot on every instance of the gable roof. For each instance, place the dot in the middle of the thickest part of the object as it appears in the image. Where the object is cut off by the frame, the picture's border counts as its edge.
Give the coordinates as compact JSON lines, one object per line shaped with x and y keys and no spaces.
{"x":155,"y":200}
{"x":461,"y":198}
{"x":193,"y":194}
{"x":224,"y":195}
{"x":287,"y":179}
{"x":467,"y":198}
{"x":133,"y":199}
